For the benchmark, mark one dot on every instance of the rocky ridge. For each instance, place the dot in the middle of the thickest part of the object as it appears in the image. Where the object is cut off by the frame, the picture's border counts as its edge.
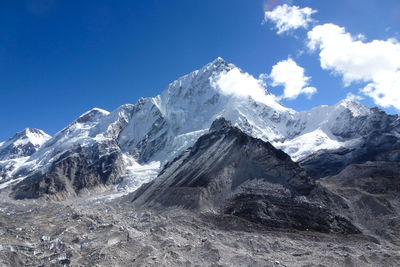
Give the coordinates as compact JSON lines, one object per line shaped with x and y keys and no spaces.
{"x":229,"y":172}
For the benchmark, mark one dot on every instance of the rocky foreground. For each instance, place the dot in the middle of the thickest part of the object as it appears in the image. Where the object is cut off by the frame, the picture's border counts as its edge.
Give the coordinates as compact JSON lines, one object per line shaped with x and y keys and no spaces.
{"x":230,"y":200}
{"x":97,"y":233}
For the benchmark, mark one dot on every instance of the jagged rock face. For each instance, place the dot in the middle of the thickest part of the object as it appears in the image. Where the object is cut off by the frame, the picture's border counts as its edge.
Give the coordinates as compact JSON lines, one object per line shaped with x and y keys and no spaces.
{"x":78,"y":169}
{"x":370,"y":192}
{"x":376,"y":146}
{"x":373,"y":121}
{"x":230,"y":172}
{"x":146,"y":133}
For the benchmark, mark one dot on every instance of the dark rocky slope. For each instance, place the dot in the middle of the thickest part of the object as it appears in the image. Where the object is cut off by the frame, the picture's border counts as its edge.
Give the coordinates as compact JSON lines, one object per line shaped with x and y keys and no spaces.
{"x":79,"y":169}
{"x":227,"y":171}
{"x":371,"y":196}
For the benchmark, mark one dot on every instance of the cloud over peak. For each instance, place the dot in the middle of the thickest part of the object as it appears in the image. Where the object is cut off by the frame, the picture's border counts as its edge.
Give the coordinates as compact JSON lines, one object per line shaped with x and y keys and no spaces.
{"x":291,"y":76}
{"x":376,"y":63}
{"x":288,"y":18}
{"x":242,"y":85}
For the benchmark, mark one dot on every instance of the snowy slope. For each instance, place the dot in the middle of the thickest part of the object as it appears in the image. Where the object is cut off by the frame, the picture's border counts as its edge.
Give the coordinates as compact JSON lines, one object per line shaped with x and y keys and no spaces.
{"x":172,"y":121}
{"x":156,"y":130}
{"x":169,"y":123}
{"x":325,"y":127}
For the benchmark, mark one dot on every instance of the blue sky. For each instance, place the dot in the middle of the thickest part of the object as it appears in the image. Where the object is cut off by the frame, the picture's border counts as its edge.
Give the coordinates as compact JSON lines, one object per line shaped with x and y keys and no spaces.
{"x":59,"y":59}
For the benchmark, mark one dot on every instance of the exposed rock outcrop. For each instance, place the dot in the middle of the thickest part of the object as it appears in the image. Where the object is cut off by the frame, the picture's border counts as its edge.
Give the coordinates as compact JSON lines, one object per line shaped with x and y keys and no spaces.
{"x":79,"y":169}
{"x":227,"y":171}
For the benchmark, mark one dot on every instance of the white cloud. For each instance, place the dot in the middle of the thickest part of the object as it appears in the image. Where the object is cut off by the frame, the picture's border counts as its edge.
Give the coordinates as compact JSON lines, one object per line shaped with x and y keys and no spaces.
{"x":353,"y":97}
{"x":376,"y":63}
{"x":291,"y":76}
{"x":241,"y":84}
{"x":285,"y":73}
{"x":288,"y":18}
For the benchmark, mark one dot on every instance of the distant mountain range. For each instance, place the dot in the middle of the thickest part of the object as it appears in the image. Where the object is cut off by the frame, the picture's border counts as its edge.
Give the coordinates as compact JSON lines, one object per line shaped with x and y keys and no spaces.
{"x":130,"y":145}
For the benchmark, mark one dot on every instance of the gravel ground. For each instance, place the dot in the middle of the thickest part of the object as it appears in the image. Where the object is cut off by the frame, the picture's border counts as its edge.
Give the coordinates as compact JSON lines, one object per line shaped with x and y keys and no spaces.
{"x":83,"y":232}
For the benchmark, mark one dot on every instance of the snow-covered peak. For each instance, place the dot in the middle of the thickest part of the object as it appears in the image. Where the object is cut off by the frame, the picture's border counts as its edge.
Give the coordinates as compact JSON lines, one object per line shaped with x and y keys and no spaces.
{"x":92,"y":115}
{"x":165,"y":125}
{"x":338,"y":115}
{"x":218,"y":60}
{"x":28,"y":135}
{"x":219,"y":64}
{"x":35,"y":136}
{"x":23,"y":144}
{"x":356,"y":108}
{"x":78,"y":129}
{"x":196,"y":82}
{"x":329,"y":127}
{"x":156,"y":130}
{"x":94,"y":126}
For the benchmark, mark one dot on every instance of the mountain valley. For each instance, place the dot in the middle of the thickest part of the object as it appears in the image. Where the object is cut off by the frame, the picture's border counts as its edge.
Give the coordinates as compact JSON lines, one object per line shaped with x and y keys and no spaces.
{"x":202,"y":175}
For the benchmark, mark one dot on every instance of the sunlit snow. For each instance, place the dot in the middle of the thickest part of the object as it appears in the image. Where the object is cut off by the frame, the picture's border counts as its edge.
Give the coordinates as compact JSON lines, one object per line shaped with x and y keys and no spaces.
{"x":156,"y":130}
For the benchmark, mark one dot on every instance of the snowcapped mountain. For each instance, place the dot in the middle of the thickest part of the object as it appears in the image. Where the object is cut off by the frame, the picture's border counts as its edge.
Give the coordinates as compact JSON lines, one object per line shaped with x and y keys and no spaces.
{"x":186,"y":109}
{"x":327,"y":127}
{"x":23,"y":144}
{"x":198,"y":168}
{"x":17,"y":149}
{"x":141,"y":138}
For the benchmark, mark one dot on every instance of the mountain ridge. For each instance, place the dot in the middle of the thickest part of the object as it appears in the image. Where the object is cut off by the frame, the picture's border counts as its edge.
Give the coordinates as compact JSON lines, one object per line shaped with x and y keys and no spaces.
{"x":155,"y":130}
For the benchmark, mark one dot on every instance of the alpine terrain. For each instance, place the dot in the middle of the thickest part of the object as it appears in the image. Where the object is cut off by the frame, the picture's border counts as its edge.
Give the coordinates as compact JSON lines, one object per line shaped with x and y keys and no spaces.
{"x":213,"y":171}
